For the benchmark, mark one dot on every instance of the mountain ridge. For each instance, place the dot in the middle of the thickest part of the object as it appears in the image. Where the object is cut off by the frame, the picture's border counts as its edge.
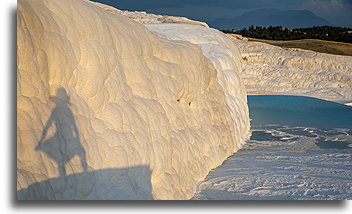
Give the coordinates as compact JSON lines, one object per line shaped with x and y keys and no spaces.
{"x":271,"y":17}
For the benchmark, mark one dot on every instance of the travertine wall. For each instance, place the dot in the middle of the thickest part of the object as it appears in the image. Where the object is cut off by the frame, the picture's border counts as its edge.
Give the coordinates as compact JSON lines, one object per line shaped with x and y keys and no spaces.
{"x":108,"y":110}
{"x":269,"y":69}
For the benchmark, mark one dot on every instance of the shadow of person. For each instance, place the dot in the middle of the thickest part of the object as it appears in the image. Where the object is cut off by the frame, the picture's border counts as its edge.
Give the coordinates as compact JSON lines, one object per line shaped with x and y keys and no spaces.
{"x":125,"y":183}
{"x":65,"y":143}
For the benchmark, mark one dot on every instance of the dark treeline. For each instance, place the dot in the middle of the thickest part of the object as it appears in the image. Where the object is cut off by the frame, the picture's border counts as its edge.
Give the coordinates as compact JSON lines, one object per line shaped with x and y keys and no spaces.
{"x":338,"y":34}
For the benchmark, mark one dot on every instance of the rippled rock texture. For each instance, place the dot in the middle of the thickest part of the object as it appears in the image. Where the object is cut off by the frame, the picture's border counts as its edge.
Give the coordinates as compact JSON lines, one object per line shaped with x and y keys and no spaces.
{"x":109,"y":110}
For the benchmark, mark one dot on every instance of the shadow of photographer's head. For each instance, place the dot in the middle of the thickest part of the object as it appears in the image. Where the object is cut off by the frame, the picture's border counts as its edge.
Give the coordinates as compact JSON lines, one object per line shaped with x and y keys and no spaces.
{"x":61,"y":96}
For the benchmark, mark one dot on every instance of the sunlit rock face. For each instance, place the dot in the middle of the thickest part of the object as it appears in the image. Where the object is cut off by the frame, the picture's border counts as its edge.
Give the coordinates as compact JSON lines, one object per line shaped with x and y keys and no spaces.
{"x":269,"y":69}
{"x":225,"y":57}
{"x":106,"y":109}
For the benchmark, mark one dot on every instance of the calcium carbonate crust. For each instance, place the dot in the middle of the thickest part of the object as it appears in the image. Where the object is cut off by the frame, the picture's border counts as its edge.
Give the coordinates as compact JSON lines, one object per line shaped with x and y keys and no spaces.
{"x":269,"y":69}
{"x":108,"y":110}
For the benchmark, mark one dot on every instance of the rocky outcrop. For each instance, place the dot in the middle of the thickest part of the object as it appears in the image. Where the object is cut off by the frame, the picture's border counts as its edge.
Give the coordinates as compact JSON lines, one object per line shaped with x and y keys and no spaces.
{"x":109,"y":110}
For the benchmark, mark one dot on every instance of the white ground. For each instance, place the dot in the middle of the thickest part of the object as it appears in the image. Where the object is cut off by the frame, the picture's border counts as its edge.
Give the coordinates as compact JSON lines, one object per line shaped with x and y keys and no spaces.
{"x":286,"y":164}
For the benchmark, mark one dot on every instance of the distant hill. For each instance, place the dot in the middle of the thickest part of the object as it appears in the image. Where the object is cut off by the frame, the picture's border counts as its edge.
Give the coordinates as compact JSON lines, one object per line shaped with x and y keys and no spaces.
{"x":271,"y":17}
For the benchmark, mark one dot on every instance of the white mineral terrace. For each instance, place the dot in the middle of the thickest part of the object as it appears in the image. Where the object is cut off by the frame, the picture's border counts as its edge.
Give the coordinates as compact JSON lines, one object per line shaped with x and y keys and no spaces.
{"x":109,"y":110}
{"x":268,"y":69}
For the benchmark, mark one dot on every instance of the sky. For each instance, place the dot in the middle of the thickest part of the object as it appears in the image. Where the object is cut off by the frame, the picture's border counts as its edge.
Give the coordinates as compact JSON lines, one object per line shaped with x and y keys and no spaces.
{"x":337,"y":12}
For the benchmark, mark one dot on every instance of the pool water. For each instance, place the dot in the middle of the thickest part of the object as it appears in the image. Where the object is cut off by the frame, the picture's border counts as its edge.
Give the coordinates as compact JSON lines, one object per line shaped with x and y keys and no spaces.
{"x":298,"y":111}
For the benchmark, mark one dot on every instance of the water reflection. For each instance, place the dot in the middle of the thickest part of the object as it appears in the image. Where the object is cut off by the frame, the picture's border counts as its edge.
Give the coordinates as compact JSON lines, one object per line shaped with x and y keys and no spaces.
{"x":329,"y":144}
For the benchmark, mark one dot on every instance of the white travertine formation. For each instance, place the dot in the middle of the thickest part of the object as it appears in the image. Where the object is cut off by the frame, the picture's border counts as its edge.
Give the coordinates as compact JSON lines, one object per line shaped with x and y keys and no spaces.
{"x":108,"y":110}
{"x":224,"y":55}
{"x":269,"y":69}
{"x":150,"y":18}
